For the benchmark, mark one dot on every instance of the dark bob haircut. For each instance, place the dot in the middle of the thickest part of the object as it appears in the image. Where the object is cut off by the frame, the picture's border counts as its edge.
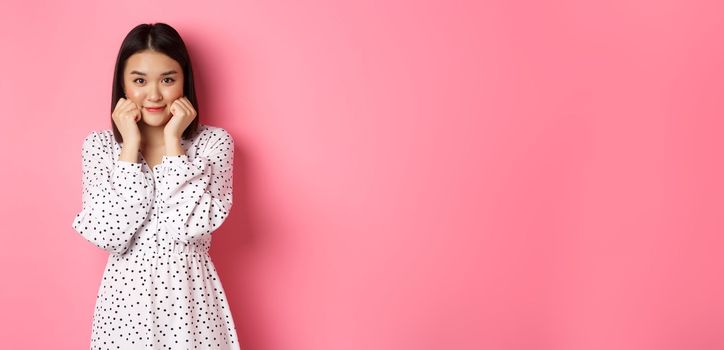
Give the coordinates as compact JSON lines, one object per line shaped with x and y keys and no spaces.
{"x":162,"y":38}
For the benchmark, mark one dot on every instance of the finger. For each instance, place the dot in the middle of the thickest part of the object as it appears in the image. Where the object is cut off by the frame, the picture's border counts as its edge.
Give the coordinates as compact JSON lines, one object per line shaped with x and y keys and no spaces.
{"x":181,"y":103}
{"x":139,"y":112}
{"x":188,"y":105}
{"x":121,"y":106}
{"x":120,"y":109}
{"x":127,"y":105}
{"x":178,"y":107}
{"x":119,"y":102}
{"x":127,"y":108}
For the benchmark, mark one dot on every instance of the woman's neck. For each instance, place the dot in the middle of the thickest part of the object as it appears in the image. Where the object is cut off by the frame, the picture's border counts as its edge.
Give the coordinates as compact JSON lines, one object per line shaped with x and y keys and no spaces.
{"x":151,"y":136}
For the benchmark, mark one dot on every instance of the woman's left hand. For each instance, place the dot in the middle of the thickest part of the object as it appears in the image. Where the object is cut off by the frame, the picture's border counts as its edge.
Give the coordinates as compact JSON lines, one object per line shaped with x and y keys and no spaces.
{"x":182,"y":114}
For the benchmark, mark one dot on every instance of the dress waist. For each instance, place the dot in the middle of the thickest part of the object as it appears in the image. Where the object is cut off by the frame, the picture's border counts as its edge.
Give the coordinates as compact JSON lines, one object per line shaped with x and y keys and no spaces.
{"x":168,"y":249}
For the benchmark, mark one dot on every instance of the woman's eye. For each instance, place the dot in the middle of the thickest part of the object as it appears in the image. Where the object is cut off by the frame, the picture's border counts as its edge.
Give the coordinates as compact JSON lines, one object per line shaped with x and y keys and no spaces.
{"x":170,"y":80}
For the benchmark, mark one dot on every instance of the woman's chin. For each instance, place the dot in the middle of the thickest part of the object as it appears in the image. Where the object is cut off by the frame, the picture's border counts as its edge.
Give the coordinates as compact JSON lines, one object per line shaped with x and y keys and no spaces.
{"x":157,"y":119}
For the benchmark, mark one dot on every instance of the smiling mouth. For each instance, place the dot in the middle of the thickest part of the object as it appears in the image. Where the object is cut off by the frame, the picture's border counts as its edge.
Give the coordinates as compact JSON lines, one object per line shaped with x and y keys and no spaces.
{"x":155,"y":109}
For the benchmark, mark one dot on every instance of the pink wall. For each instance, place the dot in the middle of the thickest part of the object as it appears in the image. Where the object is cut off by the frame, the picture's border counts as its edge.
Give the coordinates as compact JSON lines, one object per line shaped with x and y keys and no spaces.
{"x":410,"y":175}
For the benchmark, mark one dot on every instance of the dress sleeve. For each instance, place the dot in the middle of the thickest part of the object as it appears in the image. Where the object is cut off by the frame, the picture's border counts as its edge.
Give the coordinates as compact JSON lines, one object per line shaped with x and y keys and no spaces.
{"x":117,"y":198}
{"x":196,"y":195}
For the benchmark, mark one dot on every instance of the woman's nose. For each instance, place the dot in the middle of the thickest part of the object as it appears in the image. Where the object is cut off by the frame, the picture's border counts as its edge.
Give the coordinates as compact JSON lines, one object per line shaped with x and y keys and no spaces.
{"x":154,"y":94}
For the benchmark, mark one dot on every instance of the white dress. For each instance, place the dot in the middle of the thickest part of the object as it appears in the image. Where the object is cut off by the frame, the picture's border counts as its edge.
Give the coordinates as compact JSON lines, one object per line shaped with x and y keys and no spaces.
{"x":160,"y":289}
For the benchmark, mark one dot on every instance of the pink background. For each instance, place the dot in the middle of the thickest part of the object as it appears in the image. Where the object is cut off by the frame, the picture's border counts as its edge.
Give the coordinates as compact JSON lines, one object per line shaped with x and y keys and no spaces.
{"x":409,"y":174}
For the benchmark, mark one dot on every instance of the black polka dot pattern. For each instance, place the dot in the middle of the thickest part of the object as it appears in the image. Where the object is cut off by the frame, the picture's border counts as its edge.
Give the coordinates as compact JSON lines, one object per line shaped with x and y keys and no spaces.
{"x":160,"y":289}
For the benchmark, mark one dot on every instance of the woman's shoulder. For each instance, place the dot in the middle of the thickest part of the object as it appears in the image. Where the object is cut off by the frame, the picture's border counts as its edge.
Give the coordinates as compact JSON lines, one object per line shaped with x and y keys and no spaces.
{"x":213,"y":130}
{"x":99,"y":137}
{"x":214,"y":140}
{"x":212,"y":134}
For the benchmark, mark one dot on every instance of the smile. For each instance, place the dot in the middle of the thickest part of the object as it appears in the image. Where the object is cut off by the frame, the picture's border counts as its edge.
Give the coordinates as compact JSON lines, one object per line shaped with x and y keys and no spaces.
{"x":155,"y":109}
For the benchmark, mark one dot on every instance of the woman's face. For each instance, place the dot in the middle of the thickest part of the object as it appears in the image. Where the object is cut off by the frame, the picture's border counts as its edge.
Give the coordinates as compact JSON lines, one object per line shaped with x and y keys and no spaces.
{"x":152,"y":79}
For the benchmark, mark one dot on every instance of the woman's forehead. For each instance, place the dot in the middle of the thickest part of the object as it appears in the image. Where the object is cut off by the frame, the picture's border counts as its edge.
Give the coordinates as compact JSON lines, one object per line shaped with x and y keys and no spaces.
{"x":151,"y":63}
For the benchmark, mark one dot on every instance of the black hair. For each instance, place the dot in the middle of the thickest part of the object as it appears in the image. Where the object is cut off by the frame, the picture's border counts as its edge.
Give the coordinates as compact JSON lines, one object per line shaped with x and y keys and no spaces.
{"x":158,"y":37}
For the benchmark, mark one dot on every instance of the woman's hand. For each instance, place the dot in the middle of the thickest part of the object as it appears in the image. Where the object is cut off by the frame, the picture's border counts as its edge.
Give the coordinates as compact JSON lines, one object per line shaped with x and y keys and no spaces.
{"x":182,"y":114}
{"x":126,"y":115}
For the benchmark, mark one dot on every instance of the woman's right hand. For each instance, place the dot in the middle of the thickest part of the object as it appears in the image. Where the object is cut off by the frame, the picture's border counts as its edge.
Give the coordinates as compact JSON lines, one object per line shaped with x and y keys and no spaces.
{"x":126,"y":115}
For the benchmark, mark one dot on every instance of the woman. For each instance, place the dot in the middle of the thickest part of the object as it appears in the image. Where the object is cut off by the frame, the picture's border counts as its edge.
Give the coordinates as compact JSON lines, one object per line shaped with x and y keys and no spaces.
{"x":155,"y":187}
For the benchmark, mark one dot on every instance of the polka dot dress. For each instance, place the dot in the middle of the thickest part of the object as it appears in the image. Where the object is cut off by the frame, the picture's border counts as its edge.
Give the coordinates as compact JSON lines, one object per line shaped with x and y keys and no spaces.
{"x":160,"y":289}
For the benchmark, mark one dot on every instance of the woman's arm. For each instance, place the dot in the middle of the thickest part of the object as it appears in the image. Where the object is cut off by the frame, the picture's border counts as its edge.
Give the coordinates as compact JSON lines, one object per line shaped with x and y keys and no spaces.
{"x":117,"y":197}
{"x":196,"y":196}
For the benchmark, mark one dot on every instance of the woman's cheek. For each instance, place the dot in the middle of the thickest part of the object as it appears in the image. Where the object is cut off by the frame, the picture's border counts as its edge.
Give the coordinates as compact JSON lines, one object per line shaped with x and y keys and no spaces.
{"x":176,"y":94}
{"x":134,"y":95}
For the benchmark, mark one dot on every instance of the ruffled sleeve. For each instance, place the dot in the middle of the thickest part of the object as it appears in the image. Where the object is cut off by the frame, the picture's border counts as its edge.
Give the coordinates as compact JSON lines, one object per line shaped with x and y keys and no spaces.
{"x":116,"y":198}
{"x":195,"y":195}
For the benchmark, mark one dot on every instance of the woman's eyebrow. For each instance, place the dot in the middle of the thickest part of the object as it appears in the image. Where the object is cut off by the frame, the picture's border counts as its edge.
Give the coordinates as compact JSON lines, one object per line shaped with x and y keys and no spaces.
{"x":165,"y":73}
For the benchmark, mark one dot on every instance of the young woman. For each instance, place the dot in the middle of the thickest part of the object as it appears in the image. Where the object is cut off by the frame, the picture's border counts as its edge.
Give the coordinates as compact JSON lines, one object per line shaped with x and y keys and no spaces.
{"x":155,"y":186}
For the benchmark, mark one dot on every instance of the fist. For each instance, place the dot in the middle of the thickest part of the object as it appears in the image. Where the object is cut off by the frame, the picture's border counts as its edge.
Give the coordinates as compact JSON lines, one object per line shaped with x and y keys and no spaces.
{"x":126,"y":110}
{"x":126,"y":115}
{"x":182,"y":114}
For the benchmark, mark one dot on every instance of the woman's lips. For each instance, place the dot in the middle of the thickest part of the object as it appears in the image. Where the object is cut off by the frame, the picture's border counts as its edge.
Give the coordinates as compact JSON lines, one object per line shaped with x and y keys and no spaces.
{"x":156,"y":109}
